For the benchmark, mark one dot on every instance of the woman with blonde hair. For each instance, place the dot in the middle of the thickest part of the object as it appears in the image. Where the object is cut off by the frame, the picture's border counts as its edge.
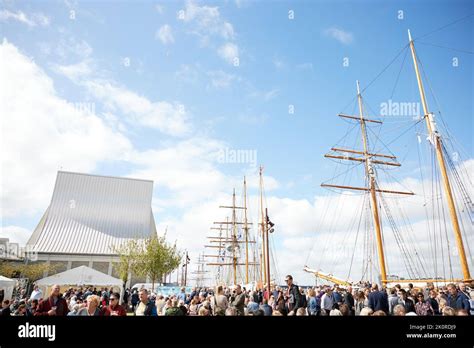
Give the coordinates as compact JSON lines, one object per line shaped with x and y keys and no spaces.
{"x":314,"y":304}
{"x":219,"y":302}
{"x":92,"y":308}
{"x":203,"y":312}
{"x":193,"y":307}
{"x":443,"y":303}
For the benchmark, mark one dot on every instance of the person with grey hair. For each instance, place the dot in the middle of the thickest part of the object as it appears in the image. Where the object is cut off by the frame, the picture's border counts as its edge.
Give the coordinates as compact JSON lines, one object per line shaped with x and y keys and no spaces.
{"x":457,"y":299}
{"x":145,"y":307}
{"x":252,"y":306}
{"x":399,"y":310}
{"x":230,"y":312}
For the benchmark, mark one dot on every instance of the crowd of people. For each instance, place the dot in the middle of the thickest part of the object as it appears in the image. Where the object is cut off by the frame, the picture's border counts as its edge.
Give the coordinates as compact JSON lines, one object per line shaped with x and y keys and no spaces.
{"x":290,"y":300}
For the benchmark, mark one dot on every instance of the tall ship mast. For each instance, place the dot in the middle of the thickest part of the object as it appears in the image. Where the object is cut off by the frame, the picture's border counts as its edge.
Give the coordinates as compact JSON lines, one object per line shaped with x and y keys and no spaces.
{"x":200,"y":275}
{"x":382,"y":219}
{"x":230,"y":256}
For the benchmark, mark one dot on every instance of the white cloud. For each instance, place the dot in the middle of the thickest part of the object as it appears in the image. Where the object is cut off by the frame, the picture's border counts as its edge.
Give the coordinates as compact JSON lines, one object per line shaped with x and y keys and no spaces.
{"x":187,"y":169}
{"x":220,"y":79}
{"x":344,"y":37}
{"x":68,"y":47}
{"x":42,"y":133}
{"x":165,"y":35}
{"x":76,"y":71}
{"x":188,"y":73}
{"x":169,"y":118}
{"x":229,"y":52}
{"x":207,"y":20}
{"x":32,"y":20}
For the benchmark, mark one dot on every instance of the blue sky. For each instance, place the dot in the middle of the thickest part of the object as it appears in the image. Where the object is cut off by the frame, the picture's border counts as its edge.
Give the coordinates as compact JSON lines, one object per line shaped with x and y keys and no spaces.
{"x":143,"y":56}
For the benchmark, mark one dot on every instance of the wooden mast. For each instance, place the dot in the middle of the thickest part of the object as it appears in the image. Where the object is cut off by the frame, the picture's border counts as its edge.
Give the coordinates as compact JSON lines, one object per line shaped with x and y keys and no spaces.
{"x":246,"y":229}
{"x":263,"y":255}
{"x":436,"y":141}
{"x":373,"y":196}
{"x":234,"y":238}
{"x":369,"y":159}
{"x":265,"y":242}
{"x":269,"y":279}
{"x":231,"y":238}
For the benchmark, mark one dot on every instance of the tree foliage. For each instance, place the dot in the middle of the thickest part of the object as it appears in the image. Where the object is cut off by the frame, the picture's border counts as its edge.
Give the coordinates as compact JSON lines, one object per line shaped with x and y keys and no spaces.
{"x":32,"y":271}
{"x":152,"y":257}
{"x":157,"y":258}
{"x":128,"y":253}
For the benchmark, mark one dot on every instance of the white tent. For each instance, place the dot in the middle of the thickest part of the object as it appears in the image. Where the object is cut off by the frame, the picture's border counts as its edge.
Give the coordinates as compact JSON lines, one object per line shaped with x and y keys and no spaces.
{"x":7,"y":285}
{"x":81,"y":276}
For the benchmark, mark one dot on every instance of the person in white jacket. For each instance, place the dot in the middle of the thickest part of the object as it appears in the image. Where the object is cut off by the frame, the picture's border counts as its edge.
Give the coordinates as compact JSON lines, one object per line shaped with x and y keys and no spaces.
{"x":327,"y":301}
{"x":37,"y":294}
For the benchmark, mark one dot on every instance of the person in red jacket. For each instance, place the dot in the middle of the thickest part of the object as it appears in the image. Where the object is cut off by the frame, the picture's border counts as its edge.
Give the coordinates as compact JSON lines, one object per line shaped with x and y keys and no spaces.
{"x":54,"y":305}
{"x":114,"y":309}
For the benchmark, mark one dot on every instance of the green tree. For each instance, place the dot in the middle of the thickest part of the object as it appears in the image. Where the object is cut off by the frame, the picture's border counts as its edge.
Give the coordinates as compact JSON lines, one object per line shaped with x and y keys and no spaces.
{"x":128,"y":254}
{"x":156,"y":258}
{"x":32,"y":271}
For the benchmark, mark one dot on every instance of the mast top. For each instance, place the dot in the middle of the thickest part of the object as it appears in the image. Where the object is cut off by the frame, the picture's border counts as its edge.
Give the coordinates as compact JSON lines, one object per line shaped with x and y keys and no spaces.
{"x":409,"y":36}
{"x":358,"y":87}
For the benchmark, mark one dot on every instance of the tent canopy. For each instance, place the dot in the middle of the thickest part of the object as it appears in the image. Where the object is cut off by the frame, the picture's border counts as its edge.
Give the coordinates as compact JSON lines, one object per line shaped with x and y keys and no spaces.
{"x":7,"y":285}
{"x":81,"y":275}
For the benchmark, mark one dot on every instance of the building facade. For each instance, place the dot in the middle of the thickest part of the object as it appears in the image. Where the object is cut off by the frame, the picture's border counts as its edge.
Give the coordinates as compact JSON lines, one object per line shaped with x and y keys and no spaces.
{"x":89,"y":217}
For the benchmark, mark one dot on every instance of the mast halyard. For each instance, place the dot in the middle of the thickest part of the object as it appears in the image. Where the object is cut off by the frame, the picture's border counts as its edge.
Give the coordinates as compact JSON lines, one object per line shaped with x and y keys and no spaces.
{"x":436,"y":141}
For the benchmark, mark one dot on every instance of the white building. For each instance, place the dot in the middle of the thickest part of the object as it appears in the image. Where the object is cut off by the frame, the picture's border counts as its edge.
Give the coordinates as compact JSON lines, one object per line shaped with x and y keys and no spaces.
{"x":89,"y":217}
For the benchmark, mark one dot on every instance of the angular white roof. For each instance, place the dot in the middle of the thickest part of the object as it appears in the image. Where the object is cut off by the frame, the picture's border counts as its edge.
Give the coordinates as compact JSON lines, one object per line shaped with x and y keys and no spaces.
{"x":89,"y":214}
{"x":81,"y":275}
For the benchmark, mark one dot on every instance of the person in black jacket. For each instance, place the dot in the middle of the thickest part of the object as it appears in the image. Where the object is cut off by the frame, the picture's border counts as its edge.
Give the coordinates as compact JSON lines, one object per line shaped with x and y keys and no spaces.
{"x":135,"y":300}
{"x":6,"y":312}
{"x":405,"y":301}
{"x":294,"y":296}
{"x":349,"y":300}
